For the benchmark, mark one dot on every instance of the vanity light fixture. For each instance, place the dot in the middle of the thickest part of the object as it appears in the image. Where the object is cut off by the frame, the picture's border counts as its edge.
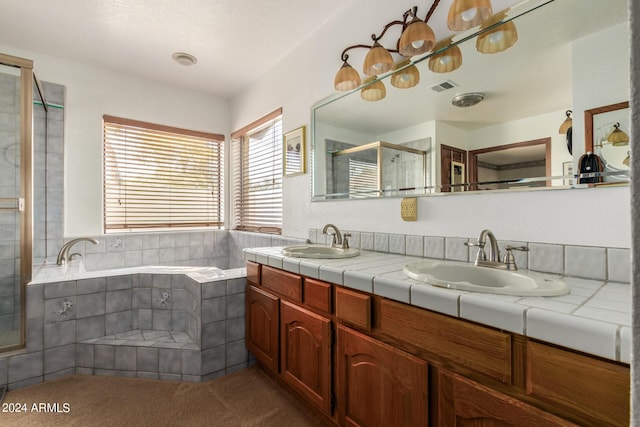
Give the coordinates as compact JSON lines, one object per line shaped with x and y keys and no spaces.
{"x":618,"y":138}
{"x":497,"y":38}
{"x":347,"y":78}
{"x":448,"y":60}
{"x":374,"y":91}
{"x":378,"y":60}
{"x":418,"y":38}
{"x":407,"y":76}
{"x":568,"y":123}
{"x":464,"y":14}
{"x":185,"y":59}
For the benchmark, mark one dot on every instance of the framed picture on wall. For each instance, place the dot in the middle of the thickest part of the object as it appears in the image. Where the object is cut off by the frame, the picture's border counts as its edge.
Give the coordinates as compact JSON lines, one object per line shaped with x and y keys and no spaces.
{"x":294,"y":152}
{"x":567,"y":172}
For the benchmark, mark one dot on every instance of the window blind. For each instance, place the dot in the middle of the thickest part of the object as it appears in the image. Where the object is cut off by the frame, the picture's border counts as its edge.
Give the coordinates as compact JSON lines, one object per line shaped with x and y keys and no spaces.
{"x":363,"y":178}
{"x":161,"y":177}
{"x":257,"y":175}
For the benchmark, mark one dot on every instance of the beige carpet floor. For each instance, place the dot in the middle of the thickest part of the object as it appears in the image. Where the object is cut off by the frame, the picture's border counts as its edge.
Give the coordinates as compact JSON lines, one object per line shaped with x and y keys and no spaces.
{"x":245,"y":398}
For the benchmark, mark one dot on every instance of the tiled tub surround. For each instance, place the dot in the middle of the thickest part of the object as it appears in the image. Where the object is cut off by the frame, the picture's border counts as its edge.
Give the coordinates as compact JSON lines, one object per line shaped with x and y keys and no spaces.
{"x":595,"y":317}
{"x":173,"y":323}
{"x":221,"y":248}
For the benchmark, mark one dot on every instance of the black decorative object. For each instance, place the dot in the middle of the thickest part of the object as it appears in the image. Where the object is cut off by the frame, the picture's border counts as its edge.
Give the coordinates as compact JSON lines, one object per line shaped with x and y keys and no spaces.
{"x":589,"y":165}
{"x":570,"y":140}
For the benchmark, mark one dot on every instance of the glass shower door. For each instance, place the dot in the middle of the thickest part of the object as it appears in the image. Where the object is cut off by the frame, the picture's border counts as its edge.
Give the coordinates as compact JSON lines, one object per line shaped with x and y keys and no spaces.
{"x":15,"y":197}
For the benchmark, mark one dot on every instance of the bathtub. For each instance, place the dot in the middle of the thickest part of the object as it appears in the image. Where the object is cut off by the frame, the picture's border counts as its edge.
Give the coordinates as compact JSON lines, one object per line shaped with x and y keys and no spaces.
{"x":165,"y":322}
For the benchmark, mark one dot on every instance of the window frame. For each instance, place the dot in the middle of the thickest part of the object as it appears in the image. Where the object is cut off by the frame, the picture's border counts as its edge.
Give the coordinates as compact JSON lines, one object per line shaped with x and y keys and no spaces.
{"x":179,"y":216}
{"x":243,"y":220}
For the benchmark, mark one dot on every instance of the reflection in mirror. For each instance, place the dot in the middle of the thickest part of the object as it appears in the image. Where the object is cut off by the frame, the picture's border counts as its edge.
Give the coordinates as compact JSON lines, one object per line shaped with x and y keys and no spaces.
{"x":570,"y":55}
{"x":607,"y":138}
{"x":376,"y":169}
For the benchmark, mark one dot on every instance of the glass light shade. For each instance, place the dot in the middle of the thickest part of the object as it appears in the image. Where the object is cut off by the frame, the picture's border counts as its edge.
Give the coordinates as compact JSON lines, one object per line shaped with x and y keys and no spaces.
{"x":373,"y":92}
{"x":346,"y":78}
{"x":568,"y":122}
{"x":405,"y":78}
{"x":497,"y":39}
{"x":464,"y":14}
{"x":416,"y":39}
{"x":618,"y":138}
{"x":446,"y":61}
{"x":377,"y":61}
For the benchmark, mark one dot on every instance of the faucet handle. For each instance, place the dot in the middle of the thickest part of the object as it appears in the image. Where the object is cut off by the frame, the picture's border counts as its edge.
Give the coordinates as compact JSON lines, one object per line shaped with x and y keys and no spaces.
{"x":509,"y":259}
{"x":477,"y":244}
{"x":345,"y":240}
{"x":509,"y":248}
{"x":481,"y":256}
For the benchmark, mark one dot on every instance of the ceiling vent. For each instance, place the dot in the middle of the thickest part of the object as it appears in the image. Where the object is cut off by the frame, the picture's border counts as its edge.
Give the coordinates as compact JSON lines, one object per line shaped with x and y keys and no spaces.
{"x":444,"y":86}
{"x":467,"y":99}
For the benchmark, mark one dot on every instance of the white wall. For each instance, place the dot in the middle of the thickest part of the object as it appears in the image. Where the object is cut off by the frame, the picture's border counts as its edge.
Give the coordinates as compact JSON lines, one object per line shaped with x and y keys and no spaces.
{"x":306,"y":75}
{"x":92,"y":92}
{"x":600,"y":76}
{"x":527,"y":129}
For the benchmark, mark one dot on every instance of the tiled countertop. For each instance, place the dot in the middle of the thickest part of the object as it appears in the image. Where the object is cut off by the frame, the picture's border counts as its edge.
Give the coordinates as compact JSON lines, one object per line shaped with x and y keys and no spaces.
{"x":595,"y":317}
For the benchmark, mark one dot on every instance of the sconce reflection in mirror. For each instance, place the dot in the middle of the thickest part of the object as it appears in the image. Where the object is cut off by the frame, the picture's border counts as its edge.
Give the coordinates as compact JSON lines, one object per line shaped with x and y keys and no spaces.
{"x":618,"y":138}
{"x":418,"y":38}
{"x":567,"y":128}
{"x":604,"y":136}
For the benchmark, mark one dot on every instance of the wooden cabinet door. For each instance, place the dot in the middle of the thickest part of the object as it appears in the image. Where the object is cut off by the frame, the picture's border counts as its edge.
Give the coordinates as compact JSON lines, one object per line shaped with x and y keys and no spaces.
{"x":262,"y":330}
{"x":305,"y":361}
{"x":462,"y":402}
{"x":378,"y":385}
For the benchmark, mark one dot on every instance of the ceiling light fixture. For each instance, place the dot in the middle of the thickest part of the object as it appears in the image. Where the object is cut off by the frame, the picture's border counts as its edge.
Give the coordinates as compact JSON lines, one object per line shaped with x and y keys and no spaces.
{"x":185,"y":59}
{"x":418,"y":38}
{"x":467,"y":99}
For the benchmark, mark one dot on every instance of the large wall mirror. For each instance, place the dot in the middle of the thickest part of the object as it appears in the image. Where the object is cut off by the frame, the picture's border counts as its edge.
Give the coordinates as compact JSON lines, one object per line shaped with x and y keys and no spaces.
{"x":569,"y":55}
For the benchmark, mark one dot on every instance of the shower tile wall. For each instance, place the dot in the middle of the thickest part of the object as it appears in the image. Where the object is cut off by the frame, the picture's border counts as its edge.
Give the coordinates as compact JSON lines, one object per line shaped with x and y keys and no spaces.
{"x":48,"y":181}
{"x":9,"y":188}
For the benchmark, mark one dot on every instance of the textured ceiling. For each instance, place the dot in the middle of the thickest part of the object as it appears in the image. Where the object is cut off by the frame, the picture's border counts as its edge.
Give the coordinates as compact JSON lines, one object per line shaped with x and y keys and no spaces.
{"x":235,"y":41}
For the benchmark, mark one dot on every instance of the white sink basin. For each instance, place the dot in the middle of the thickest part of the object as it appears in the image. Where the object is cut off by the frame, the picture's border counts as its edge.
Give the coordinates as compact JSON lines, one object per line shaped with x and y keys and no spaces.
{"x":319,"y":251}
{"x":468,"y":277}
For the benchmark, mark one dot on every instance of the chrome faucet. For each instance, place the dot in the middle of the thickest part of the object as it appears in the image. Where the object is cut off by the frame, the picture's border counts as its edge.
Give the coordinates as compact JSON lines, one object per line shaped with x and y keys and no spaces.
{"x":63,"y":255}
{"x":508,"y":261}
{"x":338,"y":240}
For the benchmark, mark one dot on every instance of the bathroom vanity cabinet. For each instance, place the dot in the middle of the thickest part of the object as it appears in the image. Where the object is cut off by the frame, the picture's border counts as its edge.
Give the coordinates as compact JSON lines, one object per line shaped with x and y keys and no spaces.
{"x":362,"y":360}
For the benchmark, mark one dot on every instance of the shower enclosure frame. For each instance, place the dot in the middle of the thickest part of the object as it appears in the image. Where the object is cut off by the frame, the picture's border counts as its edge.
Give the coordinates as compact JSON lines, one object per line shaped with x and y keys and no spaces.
{"x":25,"y":201}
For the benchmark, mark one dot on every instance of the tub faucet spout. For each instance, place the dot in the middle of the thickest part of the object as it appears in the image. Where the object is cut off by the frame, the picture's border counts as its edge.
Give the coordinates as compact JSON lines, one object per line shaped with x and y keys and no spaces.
{"x":63,"y":255}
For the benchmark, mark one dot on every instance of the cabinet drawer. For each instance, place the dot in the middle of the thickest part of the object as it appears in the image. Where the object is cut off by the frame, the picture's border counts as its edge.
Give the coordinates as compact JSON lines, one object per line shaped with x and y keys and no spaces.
{"x":286,"y":284}
{"x":353,"y":308}
{"x":253,"y":273}
{"x":470,"y":403}
{"x":579,"y":383}
{"x":317,"y":294}
{"x":449,"y":340}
